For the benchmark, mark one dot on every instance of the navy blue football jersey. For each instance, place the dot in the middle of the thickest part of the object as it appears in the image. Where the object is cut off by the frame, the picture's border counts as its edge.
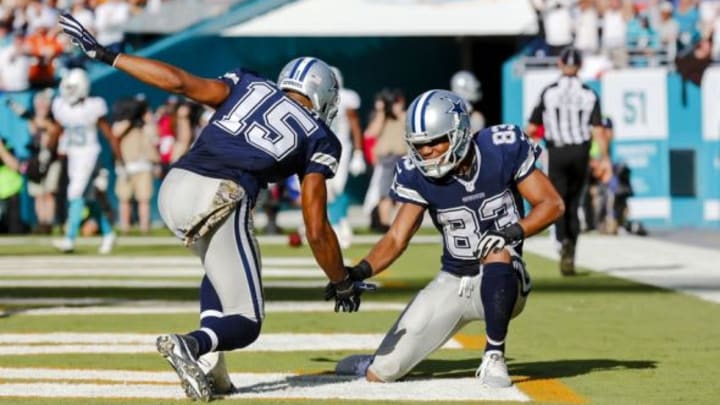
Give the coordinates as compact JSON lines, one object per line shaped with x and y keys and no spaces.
{"x":259,"y":135}
{"x":463,"y":209}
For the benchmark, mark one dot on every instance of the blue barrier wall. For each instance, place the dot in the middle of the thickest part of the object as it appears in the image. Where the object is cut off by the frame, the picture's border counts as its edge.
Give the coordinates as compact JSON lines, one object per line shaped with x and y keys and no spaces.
{"x":648,"y":155}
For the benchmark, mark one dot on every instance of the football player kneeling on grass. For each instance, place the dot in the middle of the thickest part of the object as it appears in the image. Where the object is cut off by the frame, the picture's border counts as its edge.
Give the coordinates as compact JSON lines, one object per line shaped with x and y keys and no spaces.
{"x":471,"y":185}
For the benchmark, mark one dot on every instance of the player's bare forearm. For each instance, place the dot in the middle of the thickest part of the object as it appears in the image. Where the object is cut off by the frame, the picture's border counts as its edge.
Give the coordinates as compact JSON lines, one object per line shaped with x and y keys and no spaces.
{"x":320,"y":235}
{"x":396,"y":239}
{"x":173,"y":79}
{"x":547,"y":205}
{"x":114,"y":141}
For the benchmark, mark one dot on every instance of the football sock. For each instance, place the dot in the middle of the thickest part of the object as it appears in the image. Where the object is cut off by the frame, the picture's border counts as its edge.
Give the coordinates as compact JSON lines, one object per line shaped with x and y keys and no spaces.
{"x":219,"y":332}
{"x":498,"y":292}
{"x":74,"y":218}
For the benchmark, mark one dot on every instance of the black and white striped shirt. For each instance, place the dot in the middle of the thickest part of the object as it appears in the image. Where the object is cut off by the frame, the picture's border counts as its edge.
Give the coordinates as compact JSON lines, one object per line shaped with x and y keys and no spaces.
{"x":567,"y":109}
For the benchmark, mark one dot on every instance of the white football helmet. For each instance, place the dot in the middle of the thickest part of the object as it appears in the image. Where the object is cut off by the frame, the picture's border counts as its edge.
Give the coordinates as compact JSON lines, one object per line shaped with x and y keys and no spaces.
{"x":338,"y":76}
{"x":436,"y":114}
{"x":75,"y":86}
{"x":466,"y":85}
{"x":315,"y":80}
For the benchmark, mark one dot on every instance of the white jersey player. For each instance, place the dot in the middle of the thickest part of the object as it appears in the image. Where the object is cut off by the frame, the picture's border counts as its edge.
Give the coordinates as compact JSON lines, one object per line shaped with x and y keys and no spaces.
{"x":347,"y":129}
{"x":466,"y":85}
{"x":80,"y":116}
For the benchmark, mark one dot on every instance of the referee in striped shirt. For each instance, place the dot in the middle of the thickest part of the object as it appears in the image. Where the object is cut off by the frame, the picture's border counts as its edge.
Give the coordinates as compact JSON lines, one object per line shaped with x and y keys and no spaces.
{"x":570,"y":113}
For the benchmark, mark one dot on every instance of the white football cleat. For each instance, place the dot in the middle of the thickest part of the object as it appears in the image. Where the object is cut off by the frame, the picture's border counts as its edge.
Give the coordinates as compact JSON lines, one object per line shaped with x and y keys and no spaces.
{"x":177,"y":351}
{"x":213,"y":365}
{"x":493,"y":372}
{"x":106,"y":246}
{"x":64,"y":245}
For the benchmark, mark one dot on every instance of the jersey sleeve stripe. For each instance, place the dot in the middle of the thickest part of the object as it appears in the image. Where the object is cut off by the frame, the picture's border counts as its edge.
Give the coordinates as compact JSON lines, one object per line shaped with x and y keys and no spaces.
{"x":325,"y":160}
{"x":408,"y":194}
{"x":526,"y":166}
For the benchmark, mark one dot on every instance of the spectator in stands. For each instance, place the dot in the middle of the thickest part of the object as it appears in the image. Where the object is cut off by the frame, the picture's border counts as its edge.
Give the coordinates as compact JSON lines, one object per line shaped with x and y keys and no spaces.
{"x":43,"y":168}
{"x":387,"y":126}
{"x":715,"y":35}
{"x":667,"y":28}
{"x":14,"y":65}
{"x":692,"y":66}
{"x":10,"y":186}
{"x":137,"y":148}
{"x":642,"y":39}
{"x":43,"y":46}
{"x":556,"y":22}
{"x":110,"y":19}
{"x":614,"y":32}
{"x":587,"y":27}
{"x":166,"y":121}
{"x":40,"y":15}
{"x":688,"y":18}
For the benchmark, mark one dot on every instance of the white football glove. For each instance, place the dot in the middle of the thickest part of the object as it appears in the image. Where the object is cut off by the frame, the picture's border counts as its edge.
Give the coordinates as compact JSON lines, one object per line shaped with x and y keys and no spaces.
{"x":357,"y":163}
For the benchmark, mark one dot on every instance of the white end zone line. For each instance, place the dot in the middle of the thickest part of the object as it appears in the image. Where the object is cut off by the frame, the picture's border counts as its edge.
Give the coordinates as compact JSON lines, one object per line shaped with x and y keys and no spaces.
{"x":252,"y":385}
{"x":15,"y":344}
{"x":165,"y":307}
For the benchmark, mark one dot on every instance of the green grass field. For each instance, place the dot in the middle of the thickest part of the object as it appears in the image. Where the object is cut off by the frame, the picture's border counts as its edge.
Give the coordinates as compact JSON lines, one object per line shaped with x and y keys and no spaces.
{"x":587,"y":339}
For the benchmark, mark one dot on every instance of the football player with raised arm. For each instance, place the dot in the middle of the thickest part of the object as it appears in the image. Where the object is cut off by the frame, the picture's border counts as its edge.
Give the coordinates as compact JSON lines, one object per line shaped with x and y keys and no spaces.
{"x":261,"y":132}
{"x":471,"y":185}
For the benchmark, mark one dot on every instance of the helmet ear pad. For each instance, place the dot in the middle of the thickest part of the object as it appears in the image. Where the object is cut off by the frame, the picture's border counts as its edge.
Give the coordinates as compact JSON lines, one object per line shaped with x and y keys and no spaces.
{"x":433,"y":115}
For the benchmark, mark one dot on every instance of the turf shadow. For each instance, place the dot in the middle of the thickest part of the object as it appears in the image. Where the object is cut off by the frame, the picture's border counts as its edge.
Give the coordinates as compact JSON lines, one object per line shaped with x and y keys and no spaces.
{"x":532,"y":370}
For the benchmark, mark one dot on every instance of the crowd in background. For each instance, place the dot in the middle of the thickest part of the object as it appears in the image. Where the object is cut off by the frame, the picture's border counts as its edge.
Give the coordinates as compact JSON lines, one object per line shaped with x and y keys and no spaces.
{"x":622,"y":33}
{"x":33,"y":55}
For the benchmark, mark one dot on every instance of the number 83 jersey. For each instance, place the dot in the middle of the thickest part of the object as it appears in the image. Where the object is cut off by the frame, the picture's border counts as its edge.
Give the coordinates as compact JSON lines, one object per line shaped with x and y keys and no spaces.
{"x":463,"y":209}
{"x":259,"y":135}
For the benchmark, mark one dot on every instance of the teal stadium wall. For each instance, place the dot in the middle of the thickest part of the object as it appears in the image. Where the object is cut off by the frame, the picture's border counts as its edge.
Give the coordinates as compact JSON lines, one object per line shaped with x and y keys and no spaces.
{"x":687,"y":129}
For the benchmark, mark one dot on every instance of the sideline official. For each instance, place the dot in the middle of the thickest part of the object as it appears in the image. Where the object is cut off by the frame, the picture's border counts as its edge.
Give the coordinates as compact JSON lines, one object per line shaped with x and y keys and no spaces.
{"x":570,"y":113}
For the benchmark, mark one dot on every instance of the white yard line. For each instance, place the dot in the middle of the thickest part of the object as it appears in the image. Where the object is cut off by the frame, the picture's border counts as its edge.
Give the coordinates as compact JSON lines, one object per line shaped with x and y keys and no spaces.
{"x":13,"y":262}
{"x":83,"y":283}
{"x":252,"y":385}
{"x":44,"y":343}
{"x":692,"y":270}
{"x":106,"y":270}
{"x":165,"y":307}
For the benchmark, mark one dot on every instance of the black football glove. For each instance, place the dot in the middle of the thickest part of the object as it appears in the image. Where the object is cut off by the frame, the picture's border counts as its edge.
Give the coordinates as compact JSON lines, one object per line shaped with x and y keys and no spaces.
{"x":84,"y":40}
{"x":493,"y":239}
{"x":347,"y":294}
{"x":360,"y":271}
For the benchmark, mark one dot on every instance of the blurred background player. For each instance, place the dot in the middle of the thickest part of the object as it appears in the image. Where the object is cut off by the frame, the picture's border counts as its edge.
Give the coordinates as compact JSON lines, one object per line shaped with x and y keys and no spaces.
{"x":466,"y":85}
{"x":470,"y":183}
{"x":80,"y":116}
{"x":347,"y":128}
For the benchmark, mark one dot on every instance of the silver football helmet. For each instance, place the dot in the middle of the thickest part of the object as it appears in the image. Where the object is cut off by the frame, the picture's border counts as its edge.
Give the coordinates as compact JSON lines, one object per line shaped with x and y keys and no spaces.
{"x":436,"y":114}
{"x":315,"y":80}
{"x":466,"y":85}
{"x":74,"y":86}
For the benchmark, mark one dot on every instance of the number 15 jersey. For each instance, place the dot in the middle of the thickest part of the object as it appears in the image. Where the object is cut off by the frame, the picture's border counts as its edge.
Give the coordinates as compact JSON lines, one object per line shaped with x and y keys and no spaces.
{"x":259,"y":135}
{"x":463,"y":209}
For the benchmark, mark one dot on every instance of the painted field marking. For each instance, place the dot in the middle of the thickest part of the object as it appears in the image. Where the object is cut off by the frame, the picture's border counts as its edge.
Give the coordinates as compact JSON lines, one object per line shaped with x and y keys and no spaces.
{"x":65,"y":383}
{"x":14,"y":344}
{"x":191,"y":307}
{"x":98,"y":283}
